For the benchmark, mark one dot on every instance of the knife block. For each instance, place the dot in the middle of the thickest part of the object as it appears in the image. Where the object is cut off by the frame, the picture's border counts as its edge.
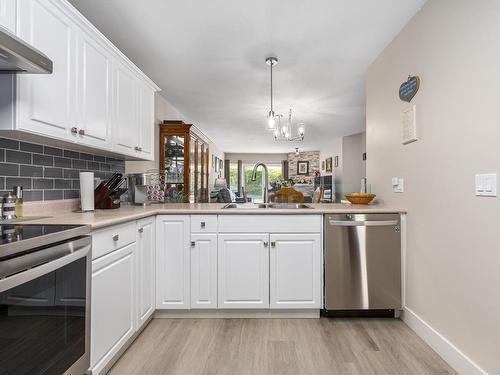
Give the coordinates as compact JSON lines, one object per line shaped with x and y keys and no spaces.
{"x":104,"y":199}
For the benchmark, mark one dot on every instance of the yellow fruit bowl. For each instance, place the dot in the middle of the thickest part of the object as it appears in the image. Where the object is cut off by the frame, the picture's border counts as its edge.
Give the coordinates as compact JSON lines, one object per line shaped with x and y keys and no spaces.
{"x":360,"y":198}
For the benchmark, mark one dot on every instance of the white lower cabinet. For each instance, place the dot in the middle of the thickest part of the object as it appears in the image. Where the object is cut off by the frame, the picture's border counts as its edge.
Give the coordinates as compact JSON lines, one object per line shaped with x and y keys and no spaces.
{"x":172,"y":262}
{"x":243,"y":274}
{"x":203,"y":270}
{"x":145,"y":256}
{"x":295,"y":271}
{"x":113,"y":305}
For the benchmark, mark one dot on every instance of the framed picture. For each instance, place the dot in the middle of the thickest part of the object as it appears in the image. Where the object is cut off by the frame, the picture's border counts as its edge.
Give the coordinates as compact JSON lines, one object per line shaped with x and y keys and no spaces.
{"x":336,"y":161}
{"x":221,"y":165}
{"x":216,"y":165}
{"x":303,"y":168}
{"x":323,"y":165}
{"x":329,"y":164}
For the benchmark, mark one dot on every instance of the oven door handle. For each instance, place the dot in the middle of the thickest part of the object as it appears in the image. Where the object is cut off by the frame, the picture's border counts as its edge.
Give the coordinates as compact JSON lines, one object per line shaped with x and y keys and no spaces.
{"x":74,"y":250}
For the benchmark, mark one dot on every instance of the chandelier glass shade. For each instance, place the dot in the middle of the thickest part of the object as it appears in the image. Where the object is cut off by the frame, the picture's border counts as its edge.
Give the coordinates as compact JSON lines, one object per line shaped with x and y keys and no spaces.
{"x":282,"y":130}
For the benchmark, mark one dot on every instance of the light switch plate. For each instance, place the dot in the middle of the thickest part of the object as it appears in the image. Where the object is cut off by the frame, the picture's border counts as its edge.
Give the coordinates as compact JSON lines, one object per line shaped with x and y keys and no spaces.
{"x":398,"y":184}
{"x":486,"y":185}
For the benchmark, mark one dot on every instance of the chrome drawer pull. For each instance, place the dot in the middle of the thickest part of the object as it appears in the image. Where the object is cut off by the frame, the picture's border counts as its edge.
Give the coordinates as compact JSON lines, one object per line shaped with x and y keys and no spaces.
{"x":116,"y":237}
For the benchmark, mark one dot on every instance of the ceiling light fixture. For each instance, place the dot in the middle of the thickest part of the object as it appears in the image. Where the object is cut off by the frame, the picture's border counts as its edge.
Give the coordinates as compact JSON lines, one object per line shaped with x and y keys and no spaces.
{"x":271,"y":120}
{"x":282,"y":132}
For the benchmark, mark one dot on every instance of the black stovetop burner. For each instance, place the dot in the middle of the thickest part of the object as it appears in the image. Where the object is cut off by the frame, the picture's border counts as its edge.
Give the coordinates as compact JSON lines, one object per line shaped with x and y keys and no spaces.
{"x":10,"y":233}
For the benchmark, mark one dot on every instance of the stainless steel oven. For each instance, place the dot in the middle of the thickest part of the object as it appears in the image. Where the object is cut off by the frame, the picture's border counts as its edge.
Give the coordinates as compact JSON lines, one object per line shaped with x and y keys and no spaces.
{"x":45,"y":300}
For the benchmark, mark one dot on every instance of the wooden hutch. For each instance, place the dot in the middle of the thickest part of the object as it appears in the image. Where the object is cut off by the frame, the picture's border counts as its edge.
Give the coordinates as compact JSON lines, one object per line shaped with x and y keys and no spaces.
{"x":184,"y":163}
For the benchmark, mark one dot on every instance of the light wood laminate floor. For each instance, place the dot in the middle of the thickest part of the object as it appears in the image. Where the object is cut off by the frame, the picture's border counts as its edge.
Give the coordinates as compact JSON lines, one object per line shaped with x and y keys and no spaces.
{"x":279,"y":346}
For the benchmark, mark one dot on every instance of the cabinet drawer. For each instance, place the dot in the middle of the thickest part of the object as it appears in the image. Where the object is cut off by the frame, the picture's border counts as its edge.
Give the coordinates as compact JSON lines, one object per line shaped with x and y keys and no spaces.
{"x":203,"y":223}
{"x":107,"y":240}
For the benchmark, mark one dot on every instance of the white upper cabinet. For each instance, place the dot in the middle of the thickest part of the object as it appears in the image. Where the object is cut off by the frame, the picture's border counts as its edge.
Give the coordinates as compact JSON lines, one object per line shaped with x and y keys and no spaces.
{"x":295,"y":271}
{"x":146,"y":123}
{"x":94,"y":92}
{"x":95,"y":96}
{"x":8,"y":15}
{"x":172,"y":262}
{"x":125,"y":110}
{"x":243,"y":271}
{"x":46,"y":101}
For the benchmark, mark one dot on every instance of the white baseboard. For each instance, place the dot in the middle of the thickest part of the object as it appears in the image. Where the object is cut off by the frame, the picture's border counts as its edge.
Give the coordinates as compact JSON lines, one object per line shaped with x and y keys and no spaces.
{"x":244,"y":314}
{"x":449,"y":352}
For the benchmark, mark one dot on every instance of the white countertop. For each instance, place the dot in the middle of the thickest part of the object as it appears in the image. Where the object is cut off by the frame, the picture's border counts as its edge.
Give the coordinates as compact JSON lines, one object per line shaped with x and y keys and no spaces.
{"x":103,"y":218}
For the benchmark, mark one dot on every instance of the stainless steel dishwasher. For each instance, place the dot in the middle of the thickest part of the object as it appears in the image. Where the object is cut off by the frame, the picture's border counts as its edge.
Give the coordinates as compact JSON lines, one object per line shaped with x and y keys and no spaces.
{"x":362,"y":263}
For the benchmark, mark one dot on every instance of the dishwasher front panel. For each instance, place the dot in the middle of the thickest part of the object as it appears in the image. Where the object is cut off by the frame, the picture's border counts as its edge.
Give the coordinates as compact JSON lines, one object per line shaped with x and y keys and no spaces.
{"x":362,"y":262}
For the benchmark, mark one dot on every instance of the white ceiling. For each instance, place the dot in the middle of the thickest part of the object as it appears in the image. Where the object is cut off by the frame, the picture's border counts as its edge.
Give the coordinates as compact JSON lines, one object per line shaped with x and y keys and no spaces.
{"x":208,"y":58}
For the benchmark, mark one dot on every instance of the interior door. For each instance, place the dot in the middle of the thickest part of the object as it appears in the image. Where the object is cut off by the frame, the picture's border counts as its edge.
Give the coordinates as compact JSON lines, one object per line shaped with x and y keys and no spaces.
{"x":8,"y":15}
{"x":243,"y":272}
{"x":125,"y":104}
{"x":46,"y":101}
{"x":295,"y":271}
{"x":94,"y":94}
{"x":203,"y":271}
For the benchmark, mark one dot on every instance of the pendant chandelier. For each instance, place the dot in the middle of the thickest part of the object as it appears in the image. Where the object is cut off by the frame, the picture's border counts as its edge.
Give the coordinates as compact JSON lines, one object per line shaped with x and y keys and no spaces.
{"x":282,"y":130}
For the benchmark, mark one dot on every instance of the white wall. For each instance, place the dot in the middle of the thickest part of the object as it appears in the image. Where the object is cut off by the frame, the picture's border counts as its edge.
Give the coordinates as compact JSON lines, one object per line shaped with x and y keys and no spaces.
{"x":256,"y":157}
{"x":347,"y":176}
{"x":453,"y":239}
{"x":166,"y":111}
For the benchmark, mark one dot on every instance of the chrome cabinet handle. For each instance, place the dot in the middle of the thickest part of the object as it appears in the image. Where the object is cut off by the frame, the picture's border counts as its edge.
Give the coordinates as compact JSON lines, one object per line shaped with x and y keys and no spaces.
{"x":203,"y":225}
{"x":81,"y":131}
{"x":116,"y":237}
{"x":273,"y":244}
{"x":136,"y":148}
{"x":266,"y":244}
{"x":140,"y":148}
{"x":193,"y":244}
{"x":141,"y":230}
{"x":74,"y":130}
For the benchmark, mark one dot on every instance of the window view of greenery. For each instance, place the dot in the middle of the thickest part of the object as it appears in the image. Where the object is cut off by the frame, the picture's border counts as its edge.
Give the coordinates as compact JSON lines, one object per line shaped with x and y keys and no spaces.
{"x":233,"y":176}
{"x":254,"y":188}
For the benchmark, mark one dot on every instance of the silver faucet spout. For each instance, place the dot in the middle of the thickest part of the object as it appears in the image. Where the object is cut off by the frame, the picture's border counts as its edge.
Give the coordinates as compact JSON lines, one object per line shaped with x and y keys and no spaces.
{"x":266,"y":179}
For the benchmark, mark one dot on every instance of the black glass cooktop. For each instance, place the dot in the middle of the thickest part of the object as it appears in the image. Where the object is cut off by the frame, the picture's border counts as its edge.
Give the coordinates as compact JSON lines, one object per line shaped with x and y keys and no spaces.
{"x":17,"y":232}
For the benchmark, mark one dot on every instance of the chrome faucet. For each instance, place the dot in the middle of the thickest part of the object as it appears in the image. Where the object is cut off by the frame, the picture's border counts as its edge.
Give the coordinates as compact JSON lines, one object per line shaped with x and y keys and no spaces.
{"x":265,"y":176}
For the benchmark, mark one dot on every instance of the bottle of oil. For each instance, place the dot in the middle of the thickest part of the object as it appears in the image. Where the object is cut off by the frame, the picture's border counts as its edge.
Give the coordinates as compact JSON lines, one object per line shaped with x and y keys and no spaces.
{"x":18,"y":191}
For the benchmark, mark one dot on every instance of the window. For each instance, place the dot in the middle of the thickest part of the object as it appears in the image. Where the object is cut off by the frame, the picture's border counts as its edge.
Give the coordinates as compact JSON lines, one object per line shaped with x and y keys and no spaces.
{"x":233,"y":176}
{"x":254,"y":189}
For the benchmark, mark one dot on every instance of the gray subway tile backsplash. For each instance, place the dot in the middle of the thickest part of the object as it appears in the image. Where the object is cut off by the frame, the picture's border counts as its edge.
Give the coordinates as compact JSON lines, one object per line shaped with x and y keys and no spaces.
{"x":49,"y":173}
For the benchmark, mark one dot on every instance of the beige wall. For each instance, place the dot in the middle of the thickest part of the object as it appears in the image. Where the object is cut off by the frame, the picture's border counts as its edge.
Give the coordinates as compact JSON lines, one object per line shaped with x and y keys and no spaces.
{"x":166,"y":111}
{"x":453,"y":239}
{"x":257,"y":157}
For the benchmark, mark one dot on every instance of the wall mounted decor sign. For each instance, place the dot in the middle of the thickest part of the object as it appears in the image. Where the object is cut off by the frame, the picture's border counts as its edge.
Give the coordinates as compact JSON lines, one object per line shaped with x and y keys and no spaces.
{"x":323,"y":165}
{"x":302,"y":168}
{"x":336,"y":161}
{"x":408,"y":89}
{"x":329,"y":164}
{"x":216,"y":165}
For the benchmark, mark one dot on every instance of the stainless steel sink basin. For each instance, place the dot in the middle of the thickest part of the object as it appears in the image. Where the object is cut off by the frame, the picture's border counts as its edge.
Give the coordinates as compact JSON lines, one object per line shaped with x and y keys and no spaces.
{"x":288,"y":206}
{"x":283,"y":206}
{"x":245,"y":206}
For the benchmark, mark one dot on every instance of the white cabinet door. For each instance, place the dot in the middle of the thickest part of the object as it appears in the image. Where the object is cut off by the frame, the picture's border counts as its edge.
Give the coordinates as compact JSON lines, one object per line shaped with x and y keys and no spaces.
{"x":146,"y":245}
{"x":146,"y":115}
{"x":46,"y":101}
{"x":113,"y":301}
{"x":8,"y":15}
{"x":203,"y":271}
{"x":125,"y":128}
{"x":295,"y":271}
{"x":94,"y":93}
{"x":243,"y":271}
{"x":172,"y":262}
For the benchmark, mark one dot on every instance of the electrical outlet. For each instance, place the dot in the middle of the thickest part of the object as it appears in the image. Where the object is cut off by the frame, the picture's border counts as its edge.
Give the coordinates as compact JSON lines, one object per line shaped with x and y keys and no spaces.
{"x":398,"y":184}
{"x":486,"y":185}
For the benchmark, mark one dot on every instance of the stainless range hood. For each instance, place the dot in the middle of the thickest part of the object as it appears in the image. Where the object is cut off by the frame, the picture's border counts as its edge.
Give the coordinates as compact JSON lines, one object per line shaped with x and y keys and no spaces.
{"x":16,"y":56}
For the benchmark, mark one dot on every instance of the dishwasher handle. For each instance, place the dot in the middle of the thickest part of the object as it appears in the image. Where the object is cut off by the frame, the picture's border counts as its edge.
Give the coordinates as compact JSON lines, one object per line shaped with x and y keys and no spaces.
{"x":363,"y":223}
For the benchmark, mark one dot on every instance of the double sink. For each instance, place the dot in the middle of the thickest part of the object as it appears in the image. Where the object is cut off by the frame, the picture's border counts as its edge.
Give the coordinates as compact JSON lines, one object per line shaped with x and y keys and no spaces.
{"x":250,"y":206}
